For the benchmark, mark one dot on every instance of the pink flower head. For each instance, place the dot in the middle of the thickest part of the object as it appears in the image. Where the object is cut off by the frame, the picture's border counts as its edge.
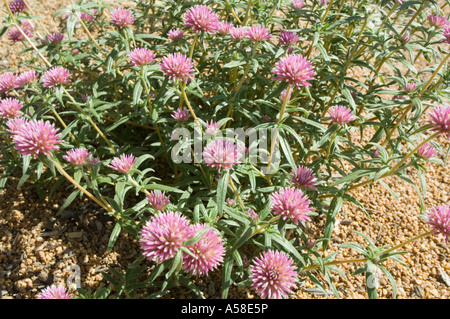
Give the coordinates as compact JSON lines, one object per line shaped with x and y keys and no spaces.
{"x":181,"y":115}
{"x":258,"y":33}
{"x":427,"y":151}
{"x":163,"y":235}
{"x":26,"y":78}
{"x":7,"y":82}
{"x":177,"y":67}
{"x":15,"y":124}
{"x":252,"y":214}
{"x":410,"y":87}
{"x":14,"y":34}
{"x":175,"y":34}
{"x":238,"y":33}
{"x":17,"y":6}
{"x":291,"y":203}
{"x":54,"y":292}
{"x":10,"y":107}
{"x":55,"y":37}
{"x":230,"y":202}
{"x":122,"y":17}
{"x":208,"y":251}
{"x":303,"y":177}
{"x":288,"y":38}
{"x":440,"y":119}
{"x":298,"y":4}
{"x":141,"y":56}
{"x":439,"y":219}
{"x":158,"y":200}
{"x":124,"y":163}
{"x":88,"y":17}
{"x":323,"y":2}
{"x":56,"y":76}
{"x":223,"y":27}
{"x":295,"y":70}
{"x":273,"y":275}
{"x":341,"y":114}
{"x":212,"y":127}
{"x":77,"y":156}
{"x":35,"y":137}
{"x":406,"y":37}
{"x":201,"y":18}
{"x":221,"y":154}
{"x":446,"y":33}
{"x":437,"y":20}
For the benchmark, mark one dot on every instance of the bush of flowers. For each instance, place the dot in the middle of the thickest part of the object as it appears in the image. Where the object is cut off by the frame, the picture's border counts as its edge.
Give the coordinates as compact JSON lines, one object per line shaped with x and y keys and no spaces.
{"x":216,"y":132}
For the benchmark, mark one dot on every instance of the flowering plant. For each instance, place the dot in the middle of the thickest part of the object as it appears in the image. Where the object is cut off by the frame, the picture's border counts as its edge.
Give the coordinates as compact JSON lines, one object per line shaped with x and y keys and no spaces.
{"x":217,"y":132}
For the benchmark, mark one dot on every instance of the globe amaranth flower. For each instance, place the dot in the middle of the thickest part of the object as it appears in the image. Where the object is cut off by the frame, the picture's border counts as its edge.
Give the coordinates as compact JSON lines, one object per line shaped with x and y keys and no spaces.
{"x":35,"y":137}
{"x":158,"y":199}
{"x":212,"y":127}
{"x":122,"y":17}
{"x":230,"y":202}
{"x":141,"y":56}
{"x":446,"y":33}
{"x":10,"y":107}
{"x":222,"y":154}
{"x":238,"y":33}
{"x":440,"y":119}
{"x":288,"y":38}
{"x":26,"y":78}
{"x":223,"y":27}
{"x":427,"y":151}
{"x":124,"y":163}
{"x":252,"y":214}
{"x":177,"y":67}
{"x":163,"y":235}
{"x":295,"y":70}
{"x":258,"y":33}
{"x":303,"y":177}
{"x":273,"y":275}
{"x":89,"y":17}
{"x":298,"y":4}
{"x":175,"y":34}
{"x":55,"y":37}
{"x":208,"y":251}
{"x":15,"y":124}
{"x":14,"y":34}
{"x":7,"y":82}
{"x":291,"y":203}
{"x":17,"y":6}
{"x":406,"y":37}
{"x":201,"y":18}
{"x":439,"y":219}
{"x":410,"y":87}
{"x":54,"y":292}
{"x":181,"y":115}
{"x":437,"y":20}
{"x":341,"y":114}
{"x":55,"y":76}
{"x":77,"y":156}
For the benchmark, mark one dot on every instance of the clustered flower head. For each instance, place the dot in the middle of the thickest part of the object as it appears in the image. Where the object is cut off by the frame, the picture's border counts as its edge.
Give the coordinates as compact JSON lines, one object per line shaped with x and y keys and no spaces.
{"x":208,"y":251}
{"x":55,"y":76}
{"x":222,"y":154}
{"x":446,"y":33}
{"x":88,"y":17}
{"x":10,"y":107}
{"x":288,"y":38}
{"x":303,"y":177}
{"x":341,"y":114}
{"x":440,"y":119}
{"x":122,"y":17}
{"x":7,"y":82}
{"x":258,"y":33}
{"x":291,"y":203}
{"x":410,"y":87}
{"x":77,"y":156}
{"x":273,"y":275}
{"x":35,"y":137}
{"x":175,"y":34}
{"x":201,"y":18}
{"x":212,"y":127}
{"x":54,"y":292}
{"x":295,"y":70}
{"x":437,"y":20}
{"x":298,"y":4}
{"x":238,"y":33}
{"x":17,"y":6}
{"x":141,"y":56}
{"x":158,"y":199}
{"x":223,"y":27}
{"x":14,"y":34}
{"x":55,"y":37}
{"x":124,"y":163}
{"x":439,"y":219}
{"x":177,"y":66}
{"x":181,"y":115}
{"x":427,"y":151}
{"x":15,"y":124}
{"x":252,"y":214}
{"x":26,"y":78}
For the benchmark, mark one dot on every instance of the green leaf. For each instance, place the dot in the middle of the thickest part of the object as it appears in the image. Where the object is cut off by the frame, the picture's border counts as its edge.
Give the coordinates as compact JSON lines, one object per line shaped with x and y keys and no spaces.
{"x":114,"y":235}
{"x":335,"y":208}
{"x":222,"y":187}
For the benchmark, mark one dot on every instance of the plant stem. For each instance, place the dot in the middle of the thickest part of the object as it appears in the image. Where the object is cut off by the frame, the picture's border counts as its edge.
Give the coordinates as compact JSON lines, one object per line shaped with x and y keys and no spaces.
{"x":149,"y":103}
{"x":183,"y":92}
{"x":232,"y":12}
{"x":247,"y":11}
{"x":414,"y":17}
{"x":326,"y":12}
{"x":191,"y":52}
{"x":236,"y":192}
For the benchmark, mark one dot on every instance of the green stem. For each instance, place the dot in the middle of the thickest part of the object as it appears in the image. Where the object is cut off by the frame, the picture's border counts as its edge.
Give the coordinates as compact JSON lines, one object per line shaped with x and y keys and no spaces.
{"x":326,"y":11}
{"x":413,"y":17}
{"x":236,"y":192}
{"x":183,"y":92}
{"x":191,"y":52}
{"x":232,"y":12}
{"x":247,"y":11}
